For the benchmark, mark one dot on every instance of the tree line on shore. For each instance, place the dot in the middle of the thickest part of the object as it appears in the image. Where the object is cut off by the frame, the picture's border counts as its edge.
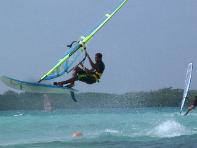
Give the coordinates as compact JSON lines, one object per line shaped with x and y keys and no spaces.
{"x":167,"y":97}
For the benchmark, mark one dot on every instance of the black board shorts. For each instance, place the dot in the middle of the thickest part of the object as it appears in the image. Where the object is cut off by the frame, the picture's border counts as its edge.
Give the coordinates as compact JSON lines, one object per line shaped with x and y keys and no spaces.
{"x":87,"y":78}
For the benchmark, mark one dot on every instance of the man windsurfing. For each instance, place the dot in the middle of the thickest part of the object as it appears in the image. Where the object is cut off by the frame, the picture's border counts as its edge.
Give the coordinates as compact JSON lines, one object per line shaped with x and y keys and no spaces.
{"x":83,"y":74}
{"x":192,"y":106}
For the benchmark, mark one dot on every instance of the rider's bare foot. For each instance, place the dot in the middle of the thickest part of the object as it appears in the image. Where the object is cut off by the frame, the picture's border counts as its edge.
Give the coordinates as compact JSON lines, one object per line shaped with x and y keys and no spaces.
{"x":70,"y":85}
{"x":60,"y":84}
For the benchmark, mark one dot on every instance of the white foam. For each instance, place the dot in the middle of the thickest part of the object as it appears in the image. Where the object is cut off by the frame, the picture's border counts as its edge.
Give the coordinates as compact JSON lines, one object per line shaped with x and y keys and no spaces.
{"x":18,"y":115}
{"x":111,"y":131}
{"x":98,"y":133}
{"x":169,"y":128}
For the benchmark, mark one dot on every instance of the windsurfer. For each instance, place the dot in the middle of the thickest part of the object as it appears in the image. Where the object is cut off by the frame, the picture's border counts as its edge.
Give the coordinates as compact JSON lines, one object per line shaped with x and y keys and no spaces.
{"x":192,"y":106}
{"x":83,"y":74}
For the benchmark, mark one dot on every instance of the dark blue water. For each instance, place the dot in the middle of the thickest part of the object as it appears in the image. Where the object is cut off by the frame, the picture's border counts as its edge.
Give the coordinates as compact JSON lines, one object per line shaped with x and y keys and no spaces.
{"x":101,"y":128}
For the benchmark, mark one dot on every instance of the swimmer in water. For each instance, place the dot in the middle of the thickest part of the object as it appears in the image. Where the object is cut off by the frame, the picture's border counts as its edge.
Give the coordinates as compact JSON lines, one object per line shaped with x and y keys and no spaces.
{"x":77,"y":135}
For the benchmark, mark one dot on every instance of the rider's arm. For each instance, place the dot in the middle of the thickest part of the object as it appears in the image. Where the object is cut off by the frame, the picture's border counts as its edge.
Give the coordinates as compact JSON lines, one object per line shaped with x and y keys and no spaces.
{"x":88,"y":70}
{"x":85,"y":69}
{"x":90,"y":60}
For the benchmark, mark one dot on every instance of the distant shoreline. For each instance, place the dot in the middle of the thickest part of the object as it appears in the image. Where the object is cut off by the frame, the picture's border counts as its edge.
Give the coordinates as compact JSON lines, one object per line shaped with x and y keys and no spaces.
{"x":167,"y":97}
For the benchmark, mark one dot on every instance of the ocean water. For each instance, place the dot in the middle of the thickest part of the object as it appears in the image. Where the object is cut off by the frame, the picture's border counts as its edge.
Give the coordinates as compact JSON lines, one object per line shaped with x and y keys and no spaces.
{"x":101,"y":128}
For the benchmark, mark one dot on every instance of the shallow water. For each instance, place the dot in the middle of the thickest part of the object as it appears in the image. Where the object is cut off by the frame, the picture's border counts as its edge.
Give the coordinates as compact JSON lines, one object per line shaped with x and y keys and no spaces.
{"x":142,"y":127}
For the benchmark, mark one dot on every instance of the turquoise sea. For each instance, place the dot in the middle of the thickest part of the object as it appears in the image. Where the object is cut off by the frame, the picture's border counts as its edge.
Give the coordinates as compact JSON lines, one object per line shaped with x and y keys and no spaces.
{"x":101,"y":128}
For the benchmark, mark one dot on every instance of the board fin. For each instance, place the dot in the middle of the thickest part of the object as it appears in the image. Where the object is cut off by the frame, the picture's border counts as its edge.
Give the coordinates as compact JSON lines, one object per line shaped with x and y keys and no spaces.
{"x":72,"y":94}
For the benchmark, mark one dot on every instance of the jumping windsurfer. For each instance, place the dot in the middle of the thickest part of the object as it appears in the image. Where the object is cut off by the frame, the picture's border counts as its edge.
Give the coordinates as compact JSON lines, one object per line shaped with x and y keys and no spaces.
{"x":83,"y":74}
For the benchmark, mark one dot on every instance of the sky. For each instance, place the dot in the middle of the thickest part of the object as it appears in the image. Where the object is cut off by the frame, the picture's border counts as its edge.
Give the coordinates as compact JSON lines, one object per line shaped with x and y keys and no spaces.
{"x":147,"y":46}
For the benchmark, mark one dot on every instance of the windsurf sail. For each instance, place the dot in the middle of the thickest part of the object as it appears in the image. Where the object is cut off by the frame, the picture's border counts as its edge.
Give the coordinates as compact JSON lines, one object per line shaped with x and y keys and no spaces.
{"x":75,"y":52}
{"x":187,"y":84}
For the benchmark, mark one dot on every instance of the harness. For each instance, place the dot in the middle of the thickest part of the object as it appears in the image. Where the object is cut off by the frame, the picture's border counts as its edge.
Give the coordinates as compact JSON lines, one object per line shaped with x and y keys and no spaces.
{"x":97,"y":76}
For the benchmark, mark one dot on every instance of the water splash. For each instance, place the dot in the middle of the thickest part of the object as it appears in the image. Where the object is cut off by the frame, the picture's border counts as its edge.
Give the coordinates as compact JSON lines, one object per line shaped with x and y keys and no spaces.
{"x":17,"y":115}
{"x":112,"y":131}
{"x":168,"y":129}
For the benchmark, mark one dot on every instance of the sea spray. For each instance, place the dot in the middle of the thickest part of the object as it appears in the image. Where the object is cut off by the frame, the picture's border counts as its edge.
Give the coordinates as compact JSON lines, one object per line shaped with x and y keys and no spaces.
{"x":143,"y":127}
{"x":169,"y":128}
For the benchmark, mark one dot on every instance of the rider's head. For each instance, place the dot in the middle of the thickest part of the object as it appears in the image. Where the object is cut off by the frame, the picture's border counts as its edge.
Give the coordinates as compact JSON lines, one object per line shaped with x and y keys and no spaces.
{"x":98,"y":57}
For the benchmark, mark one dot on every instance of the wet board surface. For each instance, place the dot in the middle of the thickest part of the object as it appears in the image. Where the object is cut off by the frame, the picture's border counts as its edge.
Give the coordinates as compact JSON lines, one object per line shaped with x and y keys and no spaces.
{"x":34,"y":87}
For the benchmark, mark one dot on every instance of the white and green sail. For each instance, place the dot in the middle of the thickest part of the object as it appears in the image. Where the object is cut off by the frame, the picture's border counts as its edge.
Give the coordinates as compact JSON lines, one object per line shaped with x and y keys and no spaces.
{"x":73,"y":54}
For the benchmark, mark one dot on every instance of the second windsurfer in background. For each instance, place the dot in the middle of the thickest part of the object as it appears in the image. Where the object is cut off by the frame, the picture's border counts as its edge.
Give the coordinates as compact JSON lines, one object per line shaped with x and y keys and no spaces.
{"x":192,"y":106}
